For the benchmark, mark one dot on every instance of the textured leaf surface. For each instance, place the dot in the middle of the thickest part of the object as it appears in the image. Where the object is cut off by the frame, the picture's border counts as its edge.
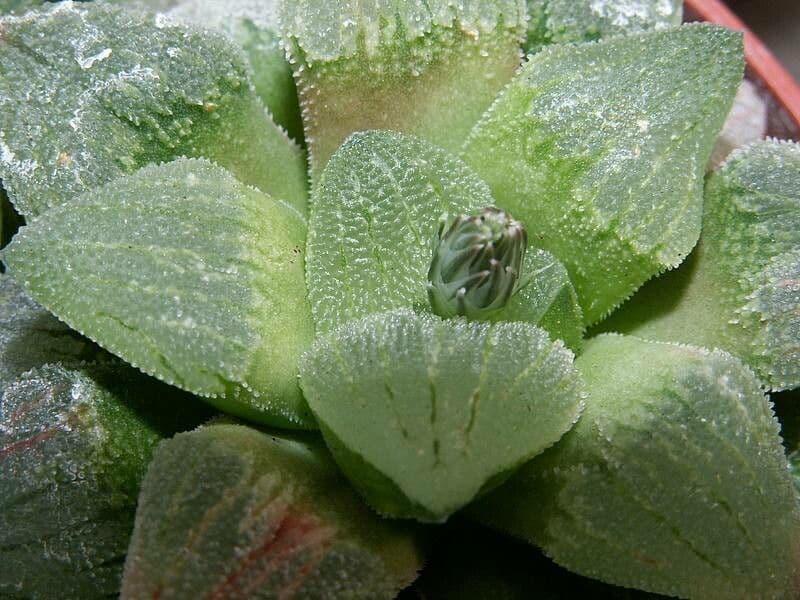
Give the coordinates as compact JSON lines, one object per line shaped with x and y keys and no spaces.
{"x":230,"y":512}
{"x":107,"y":91}
{"x":253,"y":24}
{"x":185,"y":273}
{"x":564,"y":21}
{"x":600,"y":150}
{"x":673,"y":481}
{"x":74,"y":446}
{"x":423,"y":414}
{"x":374,"y":217}
{"x":429,"y":67}
{"x":741,"y":288}
{"x":31,"y":337}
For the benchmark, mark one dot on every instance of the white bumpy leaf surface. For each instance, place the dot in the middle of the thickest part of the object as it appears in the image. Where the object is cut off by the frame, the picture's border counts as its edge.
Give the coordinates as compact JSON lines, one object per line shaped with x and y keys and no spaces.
{"x":600,"y":150}
{"x":424,"y":414}
{"x":188,"y":275}
{"x":92,"y":91}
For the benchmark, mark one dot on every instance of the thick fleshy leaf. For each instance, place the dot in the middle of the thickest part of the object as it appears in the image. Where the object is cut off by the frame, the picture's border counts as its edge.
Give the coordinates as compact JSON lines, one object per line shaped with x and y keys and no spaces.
{"x":673,"y":481}
{"x":74,"y":446}
{"x":31,"y":337}
{"x":374,"y":219}
{"x":429,"y":67}
{"x":230,"y":512}
{"x":563,"y":21}
{"x":740,"y":290}
{"x":600,"y":150}
{"x":188,"y":275}
{"x":92,"y":91}
{"x":547,"y":300}
{"x":423,"y":415}
{"x":253,"y":24}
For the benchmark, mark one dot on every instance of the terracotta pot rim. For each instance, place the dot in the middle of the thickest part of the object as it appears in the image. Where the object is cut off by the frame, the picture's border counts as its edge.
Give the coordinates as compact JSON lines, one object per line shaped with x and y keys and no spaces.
{"x":760,"y":60}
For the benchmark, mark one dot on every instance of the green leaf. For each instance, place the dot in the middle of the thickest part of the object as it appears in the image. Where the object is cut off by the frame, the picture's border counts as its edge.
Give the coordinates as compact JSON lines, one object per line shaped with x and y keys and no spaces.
{"x":600,"y":150}
{"x":374,"y":217}
{"x":188,"y":275}
{"x":91,"y":92}
{"x":429,"y":67}
{"x":673,"y":481}
{"x":229,"y":512}
{"x":74,"y":446}
{"x":460,"y":405}
{"x":548,"y":300}
{"x":254,"y":26}
{"x":740,"y":290}
{"x":564,"y":21}
{"x":31,"y":337}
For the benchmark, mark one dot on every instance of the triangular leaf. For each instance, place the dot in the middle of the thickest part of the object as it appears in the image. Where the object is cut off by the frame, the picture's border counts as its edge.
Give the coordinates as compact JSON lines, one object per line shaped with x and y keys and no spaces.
{"x":230,"y":512}
{"x":673,"y":481}
{"x":185,"y":273}
{"x":600,"y":150}
{"x":740,"y":290}
{"x":459,"y":404}
{"x":90,"y":92}
{"x":429,"y":67}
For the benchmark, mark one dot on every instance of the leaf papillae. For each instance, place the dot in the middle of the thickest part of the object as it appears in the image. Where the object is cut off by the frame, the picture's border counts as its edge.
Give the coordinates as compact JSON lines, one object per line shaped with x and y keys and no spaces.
{"x":564,"y":21}
{"x":674,"y":480}
{"x":740,"y":290}
{"x":230,"y":512}
{"x":423,"y":414}
{"x":74,"y":445}
{"x":92,"y":91}
{"x":428,"y":67}
{"x":188,"y":275}
{"x":374,"y":219}
{"x":600,"y":150}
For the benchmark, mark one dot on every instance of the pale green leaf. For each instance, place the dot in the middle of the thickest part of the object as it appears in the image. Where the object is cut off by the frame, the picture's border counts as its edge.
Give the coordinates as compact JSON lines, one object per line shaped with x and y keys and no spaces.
{"x":253,"y":24}
{"x":74,"y":446}
{"x":423,"y":414}
{"x":563,"y":21}
{"x":673,"y":481}
{"x":740,"y":290}
{"x":374,"y":219}
{"x":230,"y":512}
{"x":600,"y":150}
{"x":429,"y":67}
{"x":89,"y":92}
{"x":188,"y":275}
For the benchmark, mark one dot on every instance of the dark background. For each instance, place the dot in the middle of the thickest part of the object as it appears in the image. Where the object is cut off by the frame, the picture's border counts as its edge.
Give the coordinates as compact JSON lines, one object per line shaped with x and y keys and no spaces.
{"x":777,"y":23}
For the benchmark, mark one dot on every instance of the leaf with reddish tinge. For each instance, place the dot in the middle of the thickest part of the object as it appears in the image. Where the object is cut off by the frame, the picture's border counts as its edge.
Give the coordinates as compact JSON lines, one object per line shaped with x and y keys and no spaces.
{"x":229,"y":512}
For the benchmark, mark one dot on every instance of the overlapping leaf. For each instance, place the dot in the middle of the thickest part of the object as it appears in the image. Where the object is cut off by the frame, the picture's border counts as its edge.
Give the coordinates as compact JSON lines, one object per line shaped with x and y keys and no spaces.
{"x":673,"y":481}
{"x":90,"y":92}
{"x":185,"y":273}
{"x":741,"y":289}
{"x":374,"y":218}
{"x":600,"y":150}
{"x":423,"y":414}
{"x":563,"y":21}
{"x":429,"y":67}
{"x":74,"y":445}
{"x":230,"y":512}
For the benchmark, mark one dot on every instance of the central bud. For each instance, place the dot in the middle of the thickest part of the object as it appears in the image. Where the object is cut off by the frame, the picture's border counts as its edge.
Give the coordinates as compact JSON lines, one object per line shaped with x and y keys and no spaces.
{"x":477,"y":264}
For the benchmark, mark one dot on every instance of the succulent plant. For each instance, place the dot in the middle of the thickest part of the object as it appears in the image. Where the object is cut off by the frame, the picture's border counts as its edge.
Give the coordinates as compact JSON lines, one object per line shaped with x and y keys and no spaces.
{"x":239,"y":198}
